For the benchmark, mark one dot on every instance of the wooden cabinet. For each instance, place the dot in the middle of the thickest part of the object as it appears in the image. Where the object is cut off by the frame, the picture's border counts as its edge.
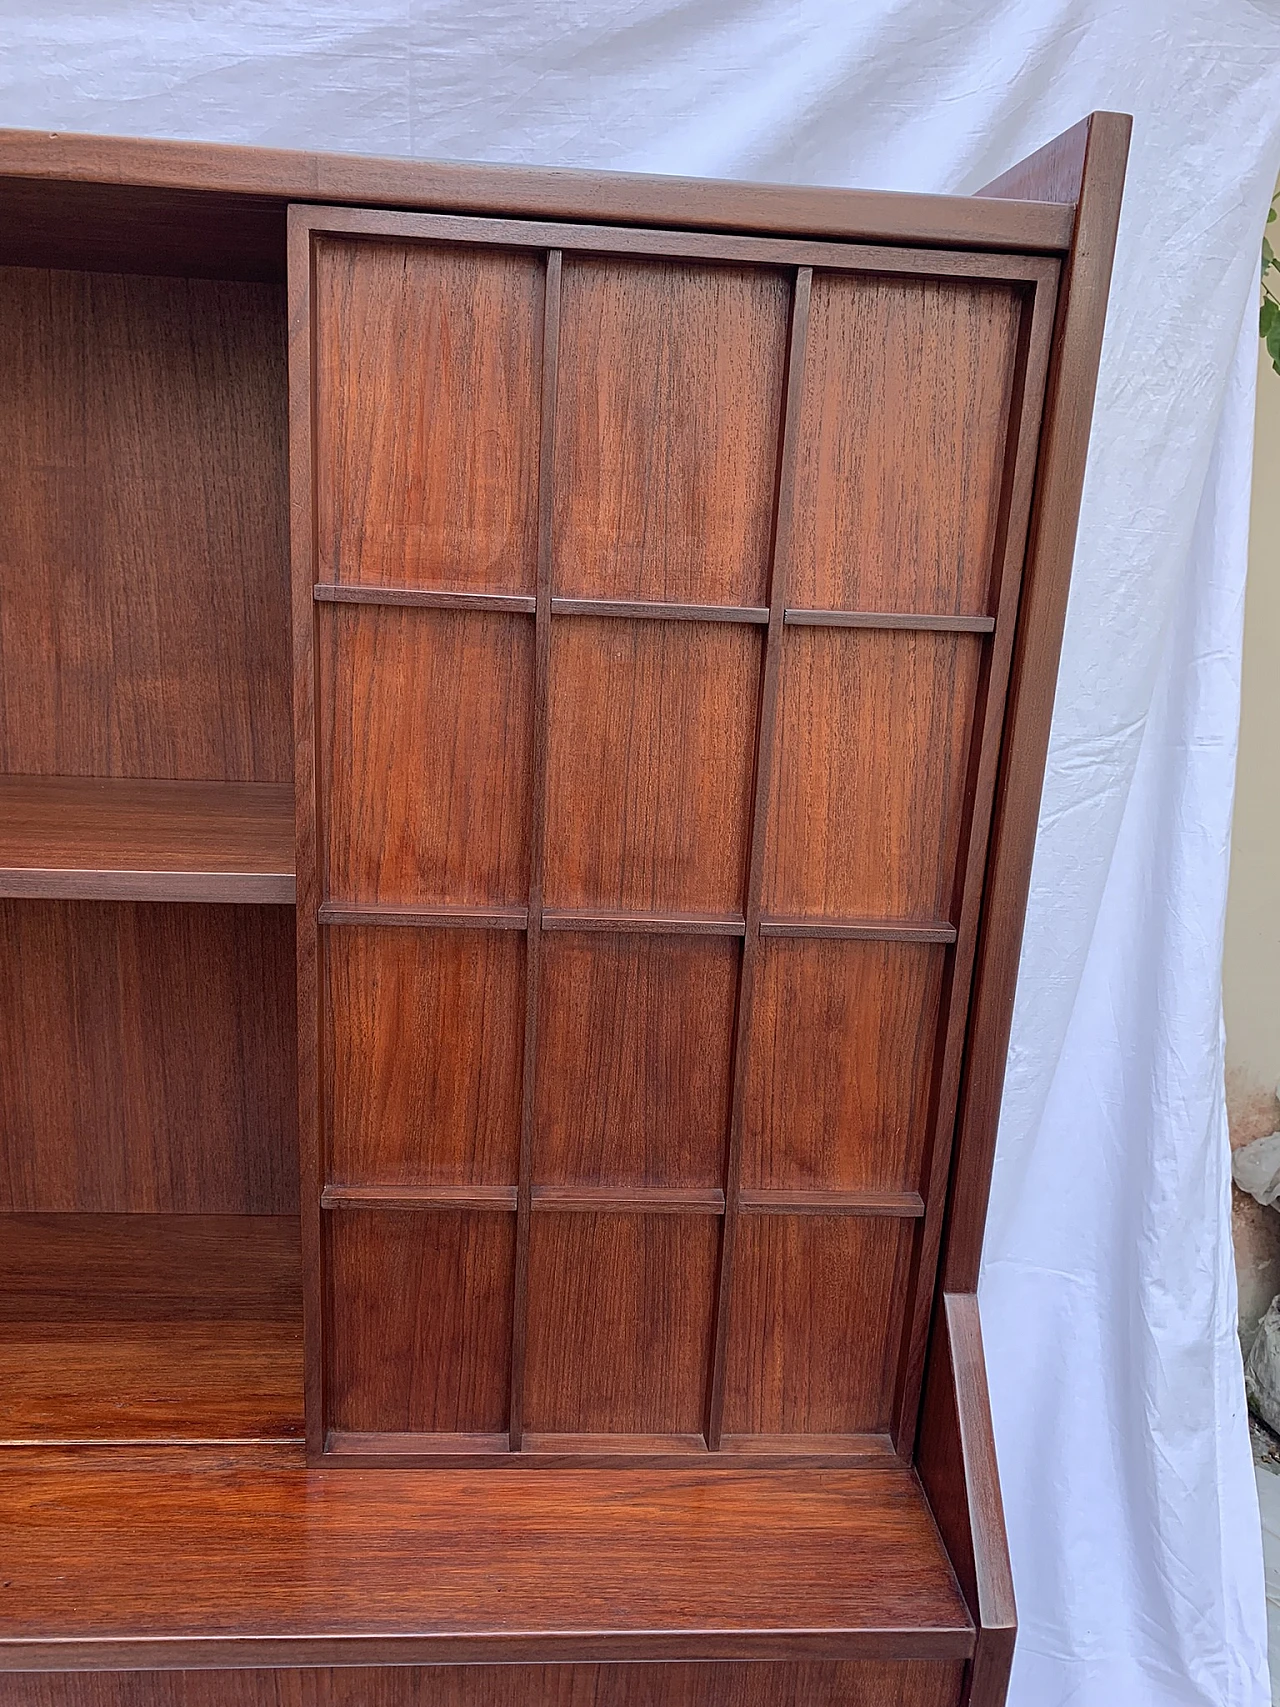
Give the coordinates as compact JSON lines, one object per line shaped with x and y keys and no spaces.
{"x":515,"y":1238}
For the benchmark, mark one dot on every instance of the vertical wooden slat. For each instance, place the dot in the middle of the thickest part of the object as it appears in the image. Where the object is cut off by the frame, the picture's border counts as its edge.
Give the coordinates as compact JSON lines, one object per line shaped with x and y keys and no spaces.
{"x":306,"y":782}
{"x":1015,"y":509}
{"x":755,"y":862}
{"x":538,"y":838}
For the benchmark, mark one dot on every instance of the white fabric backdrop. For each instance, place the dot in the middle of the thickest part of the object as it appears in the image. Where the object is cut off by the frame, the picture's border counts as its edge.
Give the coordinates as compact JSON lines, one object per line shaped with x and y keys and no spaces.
{"x":1108,"y":1295}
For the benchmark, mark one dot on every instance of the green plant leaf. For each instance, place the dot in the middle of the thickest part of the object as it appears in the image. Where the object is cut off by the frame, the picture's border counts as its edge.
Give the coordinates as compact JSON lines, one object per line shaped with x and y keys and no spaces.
{"x":1273,"y":344}
{"x":1268,"y":315}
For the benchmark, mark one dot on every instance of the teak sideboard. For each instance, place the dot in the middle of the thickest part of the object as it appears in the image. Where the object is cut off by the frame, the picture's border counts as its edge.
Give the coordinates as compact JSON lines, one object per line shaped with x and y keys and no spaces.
{"x":523,"y":704}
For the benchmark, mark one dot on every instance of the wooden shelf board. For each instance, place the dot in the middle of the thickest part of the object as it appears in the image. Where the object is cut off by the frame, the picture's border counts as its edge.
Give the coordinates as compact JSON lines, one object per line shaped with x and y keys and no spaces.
{"x":159,"y":1328}
{"x":217,"y":1558}
{"x":135,"y":839}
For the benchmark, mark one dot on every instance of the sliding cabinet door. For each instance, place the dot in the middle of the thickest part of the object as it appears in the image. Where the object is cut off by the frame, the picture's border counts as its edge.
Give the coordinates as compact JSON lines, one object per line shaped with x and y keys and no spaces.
{"x":654,"y":601}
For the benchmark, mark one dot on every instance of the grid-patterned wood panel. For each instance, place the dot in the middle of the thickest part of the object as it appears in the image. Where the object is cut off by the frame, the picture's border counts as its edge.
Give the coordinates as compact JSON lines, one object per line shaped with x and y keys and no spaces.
{"x":659,"y":664}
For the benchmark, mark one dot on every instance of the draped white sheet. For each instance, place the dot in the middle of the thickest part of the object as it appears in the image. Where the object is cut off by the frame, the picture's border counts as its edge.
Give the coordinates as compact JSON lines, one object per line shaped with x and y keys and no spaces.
{"x":1108,"y":1293}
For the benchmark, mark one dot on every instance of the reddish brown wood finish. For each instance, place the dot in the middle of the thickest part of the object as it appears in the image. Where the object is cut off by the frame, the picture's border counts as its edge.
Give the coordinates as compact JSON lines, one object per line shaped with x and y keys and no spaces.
{"x":832,"y":1683}
{"x":144,"y":1058}
{"x":654,"y":774}
{"x":424,"y":1044}
{"x":142,"y":549}
{"x":189,"y":206}
{"x":413,"y":343}
{"x":249,"y":1562}
{"x":657,"y":583}
{"x":112,"y":839}
{"x":956,"y":1459}
{"x":914,"y":507}
{"x":426,"y":742}
{"x":161,"y":1328}
{"x":664,"y":459}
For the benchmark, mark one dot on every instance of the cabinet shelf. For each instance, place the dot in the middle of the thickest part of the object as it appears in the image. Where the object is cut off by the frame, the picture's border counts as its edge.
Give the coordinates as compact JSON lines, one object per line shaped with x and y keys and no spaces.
{"x":131,"y":839}
{"x":119,"y":1329}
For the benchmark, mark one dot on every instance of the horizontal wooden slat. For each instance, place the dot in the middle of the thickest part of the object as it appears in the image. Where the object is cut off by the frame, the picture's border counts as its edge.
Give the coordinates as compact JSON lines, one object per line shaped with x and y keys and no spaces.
{"x":676,"y":245}
{"x":869,"y":1448}
{"x":418,"y":1198}
{"x":396,"y":1446}
{"x":432,"y":598}
{"x":799,"y":618}
{"x":814,"y":1202}
{"x":874,"y":930}
{"x":475,"y":918}
{"x":269,"y":177}
{"x":675,"y":924}
{"x":633,"y":1200}
{"x":641,"y":608}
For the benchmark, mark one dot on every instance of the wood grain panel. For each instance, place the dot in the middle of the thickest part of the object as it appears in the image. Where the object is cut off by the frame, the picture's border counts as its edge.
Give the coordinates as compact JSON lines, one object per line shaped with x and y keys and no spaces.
{"x":829,"y":1683}
{"x":425,"y":1032}
{"x":839,"y":1064}
{"x":147,"y":1058}
{"x":670,"y":391}
{"x":619,"y":1323}
{"x":144,"y":626}
{"x":420,"y":1320}
{"x":903,"y":425}
{"x":866,"y":802}
{"x":225,"y":1557}
{"x":429,"y":355}
{"x":428,"y":717}
{"x":149,"y":1327}
{"x":816,"y":1319}
{"x":652,"y":734}
{"x":635,"y":1036}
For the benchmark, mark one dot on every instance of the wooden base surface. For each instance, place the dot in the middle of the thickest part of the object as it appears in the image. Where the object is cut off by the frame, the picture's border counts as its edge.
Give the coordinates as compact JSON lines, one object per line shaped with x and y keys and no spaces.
{"x":177,"y":1558}
{"x":154,"y":1328}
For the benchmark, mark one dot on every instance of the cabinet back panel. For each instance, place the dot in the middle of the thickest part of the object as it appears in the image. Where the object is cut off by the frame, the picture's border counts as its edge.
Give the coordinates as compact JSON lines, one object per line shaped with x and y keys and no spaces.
{"x":144,"y":627}
{"x":675,"y":855}
{"x":147,"y":1058}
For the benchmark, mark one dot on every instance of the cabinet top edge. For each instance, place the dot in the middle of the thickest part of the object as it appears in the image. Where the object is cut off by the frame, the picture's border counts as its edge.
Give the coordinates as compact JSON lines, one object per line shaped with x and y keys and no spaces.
{"x":269,"y":175}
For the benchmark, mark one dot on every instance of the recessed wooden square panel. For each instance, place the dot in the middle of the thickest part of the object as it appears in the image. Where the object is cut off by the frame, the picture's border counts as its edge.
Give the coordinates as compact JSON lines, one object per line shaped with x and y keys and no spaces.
{"x":817,"y":1318}
{"x":634,"y":1053}
{"x":901,"y":448}
{"x":428,"y":754}
{"x":431,"y":353}
{"x":841,"y":1059}
{"x":669,"y":407}
{"x":868,"y":789}
{"x":425,"y":1044}
{"x":420,"y":1328}
{"x":620,"y":1310}
{"x":652,"y":736}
